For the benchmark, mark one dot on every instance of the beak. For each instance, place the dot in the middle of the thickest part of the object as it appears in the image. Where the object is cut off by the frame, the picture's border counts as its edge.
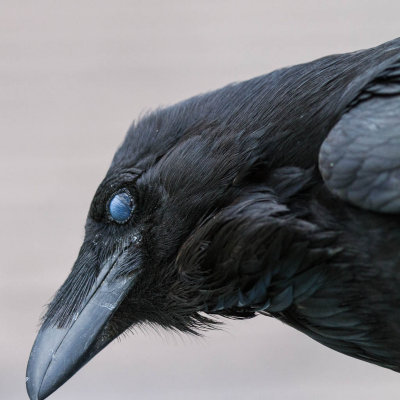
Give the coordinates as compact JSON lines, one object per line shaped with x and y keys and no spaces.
{"x":58,"y":353}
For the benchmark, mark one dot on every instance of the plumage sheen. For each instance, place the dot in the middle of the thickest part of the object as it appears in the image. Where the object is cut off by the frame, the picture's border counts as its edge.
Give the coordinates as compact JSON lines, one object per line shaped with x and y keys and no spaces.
{"x":276,"y":196}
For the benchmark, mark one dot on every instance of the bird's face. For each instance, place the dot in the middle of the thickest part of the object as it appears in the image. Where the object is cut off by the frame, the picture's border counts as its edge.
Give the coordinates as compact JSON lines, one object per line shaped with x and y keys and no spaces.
{"x":165,"y":235}
{"x":126,"y":271}
{"x":162,"y":203}
{"x":153,"y":216}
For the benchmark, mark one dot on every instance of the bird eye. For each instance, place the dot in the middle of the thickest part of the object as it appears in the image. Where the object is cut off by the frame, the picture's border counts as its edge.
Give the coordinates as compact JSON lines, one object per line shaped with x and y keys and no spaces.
{"x":120,"y":207}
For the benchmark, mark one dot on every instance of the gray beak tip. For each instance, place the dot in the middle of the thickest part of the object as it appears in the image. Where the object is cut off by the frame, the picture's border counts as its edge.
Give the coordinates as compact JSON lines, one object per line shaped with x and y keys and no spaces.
{"x":59,"y":352}
{"x":37,"y":373}
{"x":31,"y":389}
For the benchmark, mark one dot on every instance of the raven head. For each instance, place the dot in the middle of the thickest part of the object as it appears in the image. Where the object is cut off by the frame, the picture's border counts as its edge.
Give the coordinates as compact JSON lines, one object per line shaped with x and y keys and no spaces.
{"x":188,"y":208}
{"x":150,"y":203}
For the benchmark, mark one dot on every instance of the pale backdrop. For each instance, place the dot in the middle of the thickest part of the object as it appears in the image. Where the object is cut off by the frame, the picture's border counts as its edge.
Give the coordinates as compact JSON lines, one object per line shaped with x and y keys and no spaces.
{"x":73,"y":75}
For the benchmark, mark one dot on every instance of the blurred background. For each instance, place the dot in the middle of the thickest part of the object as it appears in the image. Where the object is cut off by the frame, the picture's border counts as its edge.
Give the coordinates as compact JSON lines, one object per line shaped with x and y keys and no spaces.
{"x":73,"y":76}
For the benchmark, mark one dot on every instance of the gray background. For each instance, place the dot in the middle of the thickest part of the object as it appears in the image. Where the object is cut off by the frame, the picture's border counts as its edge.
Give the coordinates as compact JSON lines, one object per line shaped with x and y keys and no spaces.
{"x":73,"y":75}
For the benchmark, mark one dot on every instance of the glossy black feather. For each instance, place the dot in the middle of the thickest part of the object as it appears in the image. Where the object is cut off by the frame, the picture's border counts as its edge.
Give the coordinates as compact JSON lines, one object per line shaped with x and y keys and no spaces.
{"x":360,"y":159}
{"x":233,"y":218}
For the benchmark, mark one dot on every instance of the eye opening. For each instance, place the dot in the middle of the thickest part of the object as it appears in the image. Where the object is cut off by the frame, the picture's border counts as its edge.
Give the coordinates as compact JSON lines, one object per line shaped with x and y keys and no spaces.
{"x":120,"y":206}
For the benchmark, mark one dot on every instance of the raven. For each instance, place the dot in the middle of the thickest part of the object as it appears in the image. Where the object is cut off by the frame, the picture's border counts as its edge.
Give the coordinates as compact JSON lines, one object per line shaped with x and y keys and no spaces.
{"x":279,"y":196}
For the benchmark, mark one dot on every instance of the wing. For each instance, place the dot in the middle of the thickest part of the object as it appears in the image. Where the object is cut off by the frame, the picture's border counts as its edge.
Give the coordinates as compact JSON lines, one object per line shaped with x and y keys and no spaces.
{"x":360,"y":159}
{"x":267,"y":253}
{"x":257,"y":254}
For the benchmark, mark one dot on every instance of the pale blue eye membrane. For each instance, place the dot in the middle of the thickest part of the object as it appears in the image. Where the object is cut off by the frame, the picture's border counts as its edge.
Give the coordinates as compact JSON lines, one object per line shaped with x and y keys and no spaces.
{"x":120,"y":206}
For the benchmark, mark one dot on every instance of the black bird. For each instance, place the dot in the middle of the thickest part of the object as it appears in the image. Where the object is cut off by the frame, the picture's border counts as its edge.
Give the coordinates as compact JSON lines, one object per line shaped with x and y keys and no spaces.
{"x":279,"y":196}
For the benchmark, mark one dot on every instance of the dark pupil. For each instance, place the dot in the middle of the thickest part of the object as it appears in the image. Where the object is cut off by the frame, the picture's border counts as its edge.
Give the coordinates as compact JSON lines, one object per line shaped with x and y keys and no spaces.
{"x":120,"y":207}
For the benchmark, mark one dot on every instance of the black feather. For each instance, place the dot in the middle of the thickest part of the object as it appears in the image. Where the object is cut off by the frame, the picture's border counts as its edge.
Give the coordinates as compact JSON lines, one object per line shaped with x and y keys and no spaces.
{"x":232,"y":216}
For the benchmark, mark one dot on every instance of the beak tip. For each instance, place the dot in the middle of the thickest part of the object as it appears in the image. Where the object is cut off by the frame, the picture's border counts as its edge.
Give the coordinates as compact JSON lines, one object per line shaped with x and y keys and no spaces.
{"x":31,"y":383}
{"x":39,"y":383}
{"x":32,"y":389}
{"x":59,"y":352}
{"x":39,"y":389}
